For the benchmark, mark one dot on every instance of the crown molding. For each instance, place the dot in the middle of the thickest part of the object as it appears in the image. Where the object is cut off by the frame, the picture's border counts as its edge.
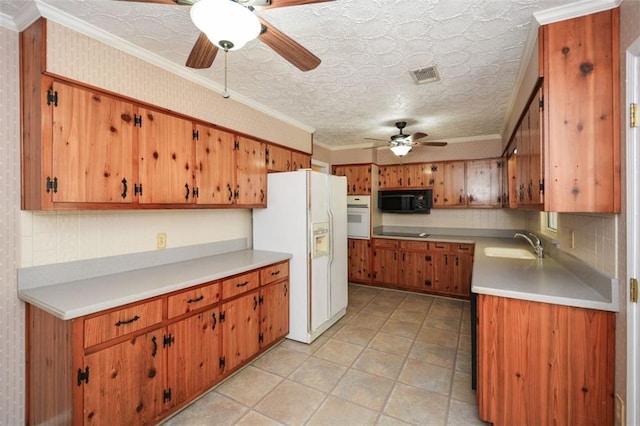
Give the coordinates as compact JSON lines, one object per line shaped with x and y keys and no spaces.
{"x":25,"y":17}
{"x":574,"y":10}
{"x":49,"y":12}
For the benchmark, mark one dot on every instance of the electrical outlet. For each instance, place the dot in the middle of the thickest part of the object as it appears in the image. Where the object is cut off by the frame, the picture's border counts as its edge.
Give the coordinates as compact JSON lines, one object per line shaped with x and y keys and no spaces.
{"x":619,"y":411}
{"x":161,"y":240}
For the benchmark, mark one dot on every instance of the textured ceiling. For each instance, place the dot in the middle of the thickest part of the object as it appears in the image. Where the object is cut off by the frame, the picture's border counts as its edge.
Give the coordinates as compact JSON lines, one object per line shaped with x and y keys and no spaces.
{"x":367,"y":48}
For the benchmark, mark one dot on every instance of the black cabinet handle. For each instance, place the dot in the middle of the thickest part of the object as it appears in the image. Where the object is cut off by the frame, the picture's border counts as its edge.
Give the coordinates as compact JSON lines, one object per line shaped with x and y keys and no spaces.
{"x":213,"y":315}
{"x":275,"y":273}
{"x":230,"y":192}
{"x":129,"y":321}
{"x":286,"y":289}
{"x":242,"y":284}
{"x":255,"y":303}
{"x":446,"y":259}
{"x":196,"y":300}
{"x":124,"y":188}
{"x":186,"y":197}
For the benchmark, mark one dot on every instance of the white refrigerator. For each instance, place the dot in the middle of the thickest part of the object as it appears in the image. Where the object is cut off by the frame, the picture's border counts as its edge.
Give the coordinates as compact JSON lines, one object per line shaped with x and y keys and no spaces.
{"x":306,"y":216}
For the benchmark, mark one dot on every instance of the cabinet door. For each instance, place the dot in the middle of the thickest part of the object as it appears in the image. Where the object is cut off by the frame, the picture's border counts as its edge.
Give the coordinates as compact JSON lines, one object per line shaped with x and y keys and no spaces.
{"x":359,"y":260}
{"x":274,"y":312}
{"x":214,"y":166}
{"x":436,"y":182}
{"x":278,"y":159}
{"x":461,"y":274}
{"x":92,"y":147}
{"x":240,"y":330}
{"x":442,"y":272}
{"x":166,"y":158}
{"x":125,"y":382}
{"x":484,"y":183}
{"x":251,"y":173}
{"x":416,"y":175}
{"x":385,"y":266}
{"x":389,"y":177}
{"x":416,"y":271}
{"x":454,"y":184}
{"x":358,"y":179}
{"x":535,"y":152}
{"x":300,"y":160}
{"x":193,"y":358}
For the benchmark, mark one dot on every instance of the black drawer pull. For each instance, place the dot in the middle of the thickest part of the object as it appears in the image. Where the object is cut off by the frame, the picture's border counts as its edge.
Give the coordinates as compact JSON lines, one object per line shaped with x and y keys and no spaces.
{"x":275,"y":273}
{"x":197,"y":299}
{"x":134,"y":319}
{"x":242,"y":284}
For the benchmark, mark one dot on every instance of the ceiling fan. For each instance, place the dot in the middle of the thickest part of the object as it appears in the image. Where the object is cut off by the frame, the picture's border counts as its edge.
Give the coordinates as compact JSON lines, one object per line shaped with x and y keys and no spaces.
{"x":402,"y":143}
{"x":218,"y":18}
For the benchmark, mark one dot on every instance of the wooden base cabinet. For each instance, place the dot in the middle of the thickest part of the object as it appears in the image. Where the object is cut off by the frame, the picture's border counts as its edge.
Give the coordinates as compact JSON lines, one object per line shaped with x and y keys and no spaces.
{"x":137,"y":364}
{"x":542,"y":364}
{"x":359,"y":258}
{"x":429,"y":267}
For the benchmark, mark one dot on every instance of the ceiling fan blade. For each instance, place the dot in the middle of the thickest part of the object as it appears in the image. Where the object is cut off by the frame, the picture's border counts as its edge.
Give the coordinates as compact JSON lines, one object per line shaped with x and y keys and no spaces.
{"x":435,"y":143}
{"x":418,"y":135}
{"x":202,"y":54}
{"x":285,"y":3}
{"x":288,"y":48}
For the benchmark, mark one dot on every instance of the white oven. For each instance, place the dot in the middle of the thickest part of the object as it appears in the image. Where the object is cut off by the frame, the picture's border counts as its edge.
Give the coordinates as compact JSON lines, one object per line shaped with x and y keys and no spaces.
{"x":358,"y":216}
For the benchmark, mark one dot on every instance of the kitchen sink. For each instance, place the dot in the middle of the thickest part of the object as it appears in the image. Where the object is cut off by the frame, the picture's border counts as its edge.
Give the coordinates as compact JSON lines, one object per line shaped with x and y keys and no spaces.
{"x":509,"y":252}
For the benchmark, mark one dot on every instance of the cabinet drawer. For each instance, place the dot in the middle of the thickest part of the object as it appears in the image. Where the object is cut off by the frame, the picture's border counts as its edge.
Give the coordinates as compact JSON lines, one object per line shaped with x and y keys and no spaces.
{"x":385,"y":243}
{"x":240,"y":284}
{"x":121,"y":322}
{"x":274,"y":273}
{"x":436,"y":246}
{"x":414,"y":245}
{"x":193,"y":299}
{"x":463,"y":248}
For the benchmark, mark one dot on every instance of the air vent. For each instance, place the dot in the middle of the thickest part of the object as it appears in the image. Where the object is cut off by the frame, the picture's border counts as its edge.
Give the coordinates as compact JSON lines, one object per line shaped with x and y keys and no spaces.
{"x":425,"y":75}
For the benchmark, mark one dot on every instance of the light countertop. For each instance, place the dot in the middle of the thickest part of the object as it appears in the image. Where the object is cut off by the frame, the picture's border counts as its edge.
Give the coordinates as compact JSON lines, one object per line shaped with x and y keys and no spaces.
{"x":72,"y":299}
{"x":559,"y":280}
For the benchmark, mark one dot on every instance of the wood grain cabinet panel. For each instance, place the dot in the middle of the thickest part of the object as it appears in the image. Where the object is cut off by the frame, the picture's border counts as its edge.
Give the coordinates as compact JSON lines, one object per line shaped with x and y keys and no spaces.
{"x":454,"y":177}
{"x":278,"y":159}
{"x":240,"y":328}
{"x":240,"y":284}
{"x":274,"y":312}
{"x":300,"y":160}
{"x":359,"y":261}
{"x":165,"y":158}
{"x":484,"y":183}
{"x":92,"y":147}
{"x":540,"y":363}
{"x":120,"y":322}
{"x":214,"y":171}
{"x":131,"y":371}
{"x":193,"y":356}
{"x":192,"y":300}
{"x":358,"y":178}
{"x":273,"y":273}
{"x":251,"y":173}
{"x":580,"y":63}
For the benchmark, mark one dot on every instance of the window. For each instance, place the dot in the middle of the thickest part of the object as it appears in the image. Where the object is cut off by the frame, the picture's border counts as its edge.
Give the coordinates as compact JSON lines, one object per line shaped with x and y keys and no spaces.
{"x":552,"y":221}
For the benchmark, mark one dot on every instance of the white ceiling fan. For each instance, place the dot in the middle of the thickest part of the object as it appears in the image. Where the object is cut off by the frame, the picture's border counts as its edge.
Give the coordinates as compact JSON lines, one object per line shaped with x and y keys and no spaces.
{"x":401,"y":144}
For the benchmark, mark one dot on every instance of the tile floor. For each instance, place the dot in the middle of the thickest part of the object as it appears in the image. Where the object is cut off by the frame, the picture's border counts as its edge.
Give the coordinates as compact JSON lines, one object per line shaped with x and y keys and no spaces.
{"x":395,"y":358}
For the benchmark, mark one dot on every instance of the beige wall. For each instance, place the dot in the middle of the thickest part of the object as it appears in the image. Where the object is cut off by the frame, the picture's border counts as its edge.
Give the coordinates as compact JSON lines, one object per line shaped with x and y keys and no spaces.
{"x":12,"y":367}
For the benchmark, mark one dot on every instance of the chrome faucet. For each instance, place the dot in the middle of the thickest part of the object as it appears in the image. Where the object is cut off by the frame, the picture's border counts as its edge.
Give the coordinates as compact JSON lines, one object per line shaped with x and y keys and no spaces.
{"x":537,"y":246}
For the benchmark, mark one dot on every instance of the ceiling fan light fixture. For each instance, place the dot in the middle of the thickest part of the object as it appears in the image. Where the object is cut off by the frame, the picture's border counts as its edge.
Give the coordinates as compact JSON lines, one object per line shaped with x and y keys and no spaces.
{"x":401,"y":150}
{"x":227,"y":24}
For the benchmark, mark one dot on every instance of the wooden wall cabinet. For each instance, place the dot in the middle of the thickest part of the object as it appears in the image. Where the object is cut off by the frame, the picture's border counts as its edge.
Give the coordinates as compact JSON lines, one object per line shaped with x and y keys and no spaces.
{"x":428,"y":267}
{"x":281,"y":159}
{"x":358,"y":178}
{"x":409,"y":176}
{"x":359,"y":260}
{"x":540,"y":363}
{"x":139,"y":363}
{"x":454,"y":192}
{"x":484,"y":182}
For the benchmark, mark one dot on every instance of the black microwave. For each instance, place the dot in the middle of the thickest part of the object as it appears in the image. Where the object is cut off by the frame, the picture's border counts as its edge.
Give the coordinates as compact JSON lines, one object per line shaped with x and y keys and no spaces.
{"x":406,"y":201}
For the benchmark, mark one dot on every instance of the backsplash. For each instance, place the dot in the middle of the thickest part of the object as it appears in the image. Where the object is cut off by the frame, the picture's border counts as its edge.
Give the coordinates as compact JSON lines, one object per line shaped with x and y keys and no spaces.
{"x":594,"y":236}
{"x":459,"y":218}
